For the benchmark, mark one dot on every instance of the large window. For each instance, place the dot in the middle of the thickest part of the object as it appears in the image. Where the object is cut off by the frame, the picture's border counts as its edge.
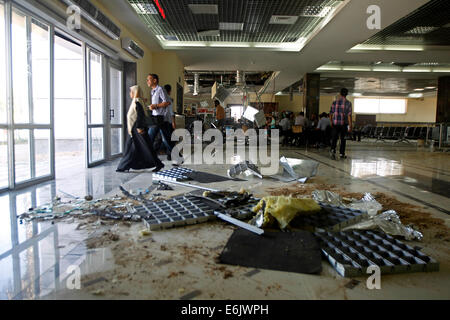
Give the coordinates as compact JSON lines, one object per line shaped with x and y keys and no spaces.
{"x":2,"y":66}
{"x":20,"y":68}
{"x":3,"y":106}
{"x":380,"y":106}
{"x":31,"y":97}
{"x":236,"y":111}
{"x":40,"y":46}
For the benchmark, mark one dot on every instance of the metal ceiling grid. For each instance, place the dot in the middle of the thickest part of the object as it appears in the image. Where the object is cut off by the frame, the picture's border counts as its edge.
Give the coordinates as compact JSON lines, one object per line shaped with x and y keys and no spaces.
{"x":255,"y":14}
{"x":391,"y":86}
{"x":428,"y":25}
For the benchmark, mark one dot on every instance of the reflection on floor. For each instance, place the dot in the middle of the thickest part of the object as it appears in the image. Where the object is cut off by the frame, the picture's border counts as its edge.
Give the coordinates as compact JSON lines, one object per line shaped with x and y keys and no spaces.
{"x":32,"y":255}
{"x":36,"y":256}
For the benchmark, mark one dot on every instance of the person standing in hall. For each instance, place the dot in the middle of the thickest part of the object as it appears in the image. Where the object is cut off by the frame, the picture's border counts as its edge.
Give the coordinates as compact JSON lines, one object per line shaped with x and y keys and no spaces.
{"x":300,"y":120}
{"x":160,"y":102}
{"x":220,"y":115}
{"x":341,"y":122}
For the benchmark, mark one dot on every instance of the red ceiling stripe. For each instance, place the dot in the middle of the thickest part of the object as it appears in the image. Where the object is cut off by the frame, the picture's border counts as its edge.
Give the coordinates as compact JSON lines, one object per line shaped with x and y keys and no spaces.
{"x":161,"y":10}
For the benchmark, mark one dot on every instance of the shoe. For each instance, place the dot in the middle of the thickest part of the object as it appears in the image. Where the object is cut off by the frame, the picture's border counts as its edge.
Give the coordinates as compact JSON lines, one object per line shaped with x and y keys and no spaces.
{"x":122,"y":170}
{"x":343,"y":156}
{"x":158,"y":168}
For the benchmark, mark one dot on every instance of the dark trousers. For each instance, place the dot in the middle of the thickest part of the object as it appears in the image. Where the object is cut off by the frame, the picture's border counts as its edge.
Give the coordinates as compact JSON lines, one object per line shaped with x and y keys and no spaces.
{"x":166,"y":135}
{"x":168,"y":144}
{"x":338,"y":132}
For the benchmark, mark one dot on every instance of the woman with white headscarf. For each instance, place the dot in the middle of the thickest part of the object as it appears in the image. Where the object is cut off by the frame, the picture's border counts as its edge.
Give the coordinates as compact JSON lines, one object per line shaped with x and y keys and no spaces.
{"x":139,"y":152}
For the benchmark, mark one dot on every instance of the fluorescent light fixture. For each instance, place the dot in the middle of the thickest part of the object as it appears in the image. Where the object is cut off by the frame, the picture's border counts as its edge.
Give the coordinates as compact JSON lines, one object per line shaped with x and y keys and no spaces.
{"x":387,"y":69}
{"x":329,"y":68}
{"x":419,"y":89}
{"x":231,"y":26}
{"x":430,"y":88}
{"x":283,"y":19}
{"x":279,"y":93}
{"x":204,"y":8}
{"x":370,"y":47}
{"x":348,"y":68}
{"x":415,"y":95}
{"x":441,"y":69}
{"x":328,"y":88}
{"x":356,"y":94}
{"x":412,"y":69}
{"x":230,"y":44}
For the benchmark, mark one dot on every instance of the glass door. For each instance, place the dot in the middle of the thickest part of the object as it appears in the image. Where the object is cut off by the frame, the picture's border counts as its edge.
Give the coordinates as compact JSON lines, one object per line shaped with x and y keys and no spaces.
{"x":32,"y":123}
{"x":95,"y":108}
{"x":115,"y":110}
{"x":4,"y":165}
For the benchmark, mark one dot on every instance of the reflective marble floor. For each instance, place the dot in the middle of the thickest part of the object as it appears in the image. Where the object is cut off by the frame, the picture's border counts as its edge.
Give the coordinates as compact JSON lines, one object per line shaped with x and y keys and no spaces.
{"x":34,"y":257}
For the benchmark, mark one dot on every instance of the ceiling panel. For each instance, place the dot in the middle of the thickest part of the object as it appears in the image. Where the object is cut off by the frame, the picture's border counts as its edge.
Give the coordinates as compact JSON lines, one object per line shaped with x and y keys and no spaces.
{"x":378,"y":86}
{"x":428,"y":25}
{"x":254,"y":14}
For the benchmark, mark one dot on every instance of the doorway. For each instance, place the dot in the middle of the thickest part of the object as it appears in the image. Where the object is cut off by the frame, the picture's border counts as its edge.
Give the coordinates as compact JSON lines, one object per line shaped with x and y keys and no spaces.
{"x":69,"y":107}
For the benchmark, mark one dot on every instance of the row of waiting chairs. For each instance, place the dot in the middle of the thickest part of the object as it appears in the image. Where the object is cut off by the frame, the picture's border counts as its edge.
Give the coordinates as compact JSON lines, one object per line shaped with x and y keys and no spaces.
{"x":399,"y":133}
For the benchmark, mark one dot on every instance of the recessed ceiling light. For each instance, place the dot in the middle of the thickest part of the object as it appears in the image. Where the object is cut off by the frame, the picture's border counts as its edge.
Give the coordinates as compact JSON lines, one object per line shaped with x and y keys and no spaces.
{"x":208,"y":33}
{"x":144,"y":8}
{"x":170,"y":38}
{"x":421,"y":30}
{"x":316,"y":11}
{"x":283,"y":19}
{"x":231,"y":26}
{"x":204,"y":8}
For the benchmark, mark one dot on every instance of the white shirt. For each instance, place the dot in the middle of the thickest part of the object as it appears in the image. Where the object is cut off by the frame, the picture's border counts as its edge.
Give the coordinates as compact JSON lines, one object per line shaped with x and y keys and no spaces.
{"x":300,"y":121}
{"x":323,"y":124}
{"x":285,"y":124}
{"x":159,"y":96}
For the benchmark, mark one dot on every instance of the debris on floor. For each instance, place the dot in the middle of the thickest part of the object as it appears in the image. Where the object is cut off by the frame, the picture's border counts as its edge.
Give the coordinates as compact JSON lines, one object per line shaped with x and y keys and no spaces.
{"x":297,"y":170}
{"x":247,"y":168}
{"x":352,"y":252}
{"x":390,"y":223}
{"x":283,"y":209}
{"x":319,"y":221}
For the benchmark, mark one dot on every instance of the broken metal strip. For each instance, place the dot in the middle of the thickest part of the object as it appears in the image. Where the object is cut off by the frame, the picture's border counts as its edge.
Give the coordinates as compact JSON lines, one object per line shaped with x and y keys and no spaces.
{"x":190,"y":186}
{"x":239,"y":223}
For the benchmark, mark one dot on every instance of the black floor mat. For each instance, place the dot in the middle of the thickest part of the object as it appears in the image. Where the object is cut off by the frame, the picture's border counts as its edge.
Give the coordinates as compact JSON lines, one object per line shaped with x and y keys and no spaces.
{"x":204,"y":177}
{"x":283,"y":251}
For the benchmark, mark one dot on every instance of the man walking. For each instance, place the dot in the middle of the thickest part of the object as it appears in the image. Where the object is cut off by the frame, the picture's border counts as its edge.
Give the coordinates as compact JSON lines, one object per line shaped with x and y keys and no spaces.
{"x":341,"y":122}
{"x":159,"y":104}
